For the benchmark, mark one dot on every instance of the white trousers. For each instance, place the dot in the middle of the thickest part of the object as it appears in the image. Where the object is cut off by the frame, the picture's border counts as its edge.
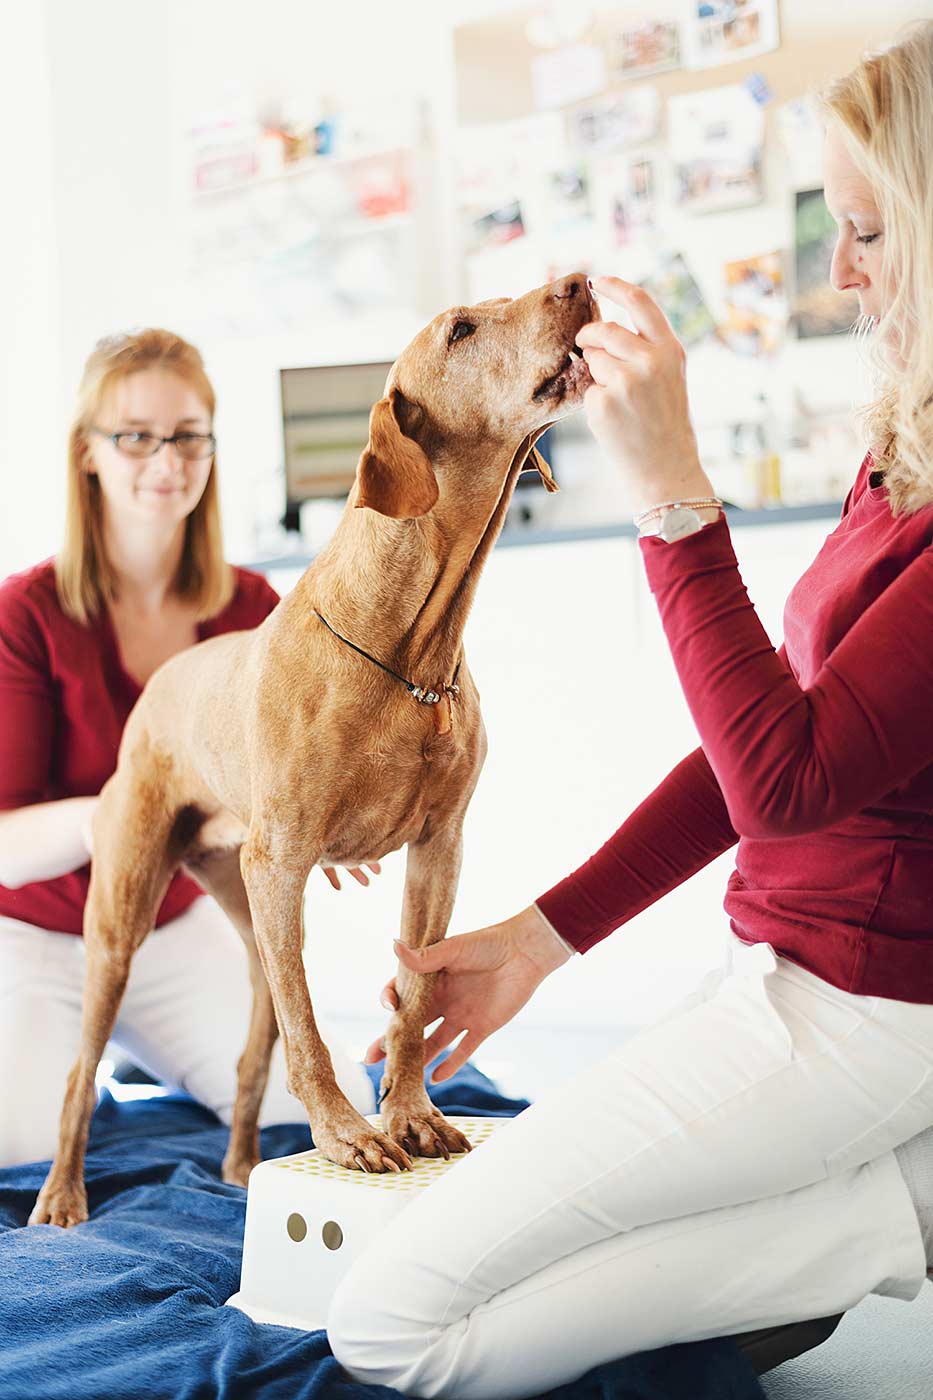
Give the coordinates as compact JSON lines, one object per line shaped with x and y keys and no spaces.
{"x":184,"y":1018}
{"x":728,"y":1168}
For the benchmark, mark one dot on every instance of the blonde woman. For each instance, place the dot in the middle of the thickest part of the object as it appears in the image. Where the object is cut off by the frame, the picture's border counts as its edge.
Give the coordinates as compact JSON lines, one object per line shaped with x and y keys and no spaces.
{"x":764,"y":1154}
{"x":141,"y":575}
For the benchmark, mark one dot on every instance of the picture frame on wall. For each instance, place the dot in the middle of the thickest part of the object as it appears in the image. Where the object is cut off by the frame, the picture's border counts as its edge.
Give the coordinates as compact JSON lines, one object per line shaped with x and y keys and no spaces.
{"x":725,"y":31}
{"x":616,"y":120}
{"x":818,"y":308}
{"x":654,"y":46}
{"x":634,"y":199}
{"x":756,"y":304}
{"x":677,"y":292}
{"x":716,"y":137}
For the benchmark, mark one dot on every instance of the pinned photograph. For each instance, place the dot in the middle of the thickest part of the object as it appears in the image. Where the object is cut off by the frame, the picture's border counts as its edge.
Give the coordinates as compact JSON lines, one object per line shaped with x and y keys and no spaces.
{"x":569,"y":192}
{"x":498,"y":227}
{"x":722,"y":31}
{"x":818,"y":308}
{"x":715,"y":139}
{"x":756,"y":305}
{"x":634,"y":203}
{"x":650,"y":47}
{"x":617,"y":120}
{"x":675,"y":290}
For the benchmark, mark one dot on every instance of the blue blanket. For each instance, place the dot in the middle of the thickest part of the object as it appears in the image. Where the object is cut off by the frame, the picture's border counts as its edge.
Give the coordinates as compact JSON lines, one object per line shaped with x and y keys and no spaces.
{"x":129,"y":1305}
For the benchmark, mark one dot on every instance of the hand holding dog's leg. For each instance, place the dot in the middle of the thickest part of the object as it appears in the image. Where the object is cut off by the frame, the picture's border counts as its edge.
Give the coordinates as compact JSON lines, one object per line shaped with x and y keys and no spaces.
{"x":482,"y":979}
{"x":431,"y":875}
{"x":276,"y":891}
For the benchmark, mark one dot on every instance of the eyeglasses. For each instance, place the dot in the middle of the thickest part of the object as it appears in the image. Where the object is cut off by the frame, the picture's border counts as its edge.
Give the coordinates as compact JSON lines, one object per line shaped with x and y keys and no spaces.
{"x":191,"y":446}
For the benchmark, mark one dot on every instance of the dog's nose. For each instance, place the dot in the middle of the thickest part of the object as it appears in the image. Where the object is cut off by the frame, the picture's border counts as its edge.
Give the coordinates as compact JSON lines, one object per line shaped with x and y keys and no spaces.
{"x":569,"y":287}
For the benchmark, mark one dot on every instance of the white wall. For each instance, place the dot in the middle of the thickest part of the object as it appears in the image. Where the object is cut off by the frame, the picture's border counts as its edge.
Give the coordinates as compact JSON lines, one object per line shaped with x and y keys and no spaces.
{"x":584,"y":716}
{"x":96,"y":102}
{"x":30,"y":309}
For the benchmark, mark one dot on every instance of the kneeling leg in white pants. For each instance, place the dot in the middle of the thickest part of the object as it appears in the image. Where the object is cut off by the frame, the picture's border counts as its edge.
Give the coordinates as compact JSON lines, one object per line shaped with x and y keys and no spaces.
{"x":809,"y":1253}
{"x":727,"y":1168}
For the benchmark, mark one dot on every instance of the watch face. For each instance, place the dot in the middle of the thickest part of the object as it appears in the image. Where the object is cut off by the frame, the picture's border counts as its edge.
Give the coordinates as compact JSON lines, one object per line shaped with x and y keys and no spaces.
{"x":678,"y":523}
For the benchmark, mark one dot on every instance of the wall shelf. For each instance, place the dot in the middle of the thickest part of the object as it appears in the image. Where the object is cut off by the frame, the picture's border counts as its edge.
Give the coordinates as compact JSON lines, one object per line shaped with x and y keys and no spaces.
{"x":515,"y":535}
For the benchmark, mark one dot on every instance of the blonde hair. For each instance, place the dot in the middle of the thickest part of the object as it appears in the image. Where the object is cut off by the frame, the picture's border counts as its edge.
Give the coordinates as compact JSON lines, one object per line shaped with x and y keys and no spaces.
{"x":85,"y":578}
{"x":883,"y":110}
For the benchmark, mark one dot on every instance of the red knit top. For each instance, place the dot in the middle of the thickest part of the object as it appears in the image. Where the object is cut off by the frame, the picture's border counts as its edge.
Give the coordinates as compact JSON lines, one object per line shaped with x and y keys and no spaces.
{"x":817,"y":759}
{"x":64,"y":699}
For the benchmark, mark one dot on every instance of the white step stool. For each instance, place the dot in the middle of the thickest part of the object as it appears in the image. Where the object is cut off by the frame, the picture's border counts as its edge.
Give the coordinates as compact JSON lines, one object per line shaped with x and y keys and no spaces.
{"x":308,"y":1219}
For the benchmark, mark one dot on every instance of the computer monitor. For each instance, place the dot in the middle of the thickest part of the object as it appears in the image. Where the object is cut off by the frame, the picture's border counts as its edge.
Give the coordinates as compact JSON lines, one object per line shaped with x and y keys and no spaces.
{"x":325,"y":426}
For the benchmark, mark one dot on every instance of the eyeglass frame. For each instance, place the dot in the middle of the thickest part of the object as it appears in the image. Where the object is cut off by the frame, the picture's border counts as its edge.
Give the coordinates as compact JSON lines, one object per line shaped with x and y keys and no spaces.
{"x":162,"y":441}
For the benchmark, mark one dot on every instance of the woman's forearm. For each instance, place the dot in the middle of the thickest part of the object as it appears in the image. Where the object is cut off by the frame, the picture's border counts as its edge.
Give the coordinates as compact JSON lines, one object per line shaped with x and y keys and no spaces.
{"x":44,"y":841}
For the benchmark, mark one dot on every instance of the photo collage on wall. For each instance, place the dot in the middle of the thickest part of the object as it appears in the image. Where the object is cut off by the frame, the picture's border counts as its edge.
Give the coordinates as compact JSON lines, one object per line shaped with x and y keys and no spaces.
{"x":296,"y":210}
{"x":611,"y":163}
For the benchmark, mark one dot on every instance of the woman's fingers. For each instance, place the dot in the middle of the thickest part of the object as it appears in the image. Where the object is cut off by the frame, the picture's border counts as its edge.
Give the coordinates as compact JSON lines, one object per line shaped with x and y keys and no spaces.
{"x":480,"y":951}
{"x":430,"y":958}
{"x":609,"y":335}
{"x":375,"y":1053}
{"x":648,"y":318}
{"x":358,"y":873}
{"x":458,"y":1058}
{"x":607,"y":370}
{"x":439,"y":1039}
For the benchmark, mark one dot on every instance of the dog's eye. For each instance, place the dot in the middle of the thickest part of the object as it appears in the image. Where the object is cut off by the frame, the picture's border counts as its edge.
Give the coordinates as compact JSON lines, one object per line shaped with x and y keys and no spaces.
{"x":459,"y":331}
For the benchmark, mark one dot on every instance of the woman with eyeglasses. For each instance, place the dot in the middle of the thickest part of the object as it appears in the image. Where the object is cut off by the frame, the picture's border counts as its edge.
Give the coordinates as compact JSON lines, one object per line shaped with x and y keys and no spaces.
{"x":140,"y":576}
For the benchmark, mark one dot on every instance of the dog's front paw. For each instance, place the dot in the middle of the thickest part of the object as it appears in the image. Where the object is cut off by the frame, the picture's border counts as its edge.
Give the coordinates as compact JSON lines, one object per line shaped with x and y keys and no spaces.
{"x":357,"y":1144}
{"x":60,"y":1203}
{"x":423,"y":1130}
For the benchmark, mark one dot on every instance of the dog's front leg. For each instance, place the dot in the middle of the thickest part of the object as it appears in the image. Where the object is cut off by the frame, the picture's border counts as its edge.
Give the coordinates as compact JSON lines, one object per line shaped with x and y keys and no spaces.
{"x":276,"y":891}
{"x":431,"y":874}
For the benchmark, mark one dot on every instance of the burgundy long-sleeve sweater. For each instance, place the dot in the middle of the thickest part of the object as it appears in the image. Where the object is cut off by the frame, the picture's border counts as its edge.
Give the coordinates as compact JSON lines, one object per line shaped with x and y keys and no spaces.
{"x":64,"y":699}
{"x":817,"y":759}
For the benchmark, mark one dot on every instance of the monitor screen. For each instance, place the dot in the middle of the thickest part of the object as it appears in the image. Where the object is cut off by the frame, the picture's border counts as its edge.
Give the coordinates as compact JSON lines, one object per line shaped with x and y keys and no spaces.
{"x":325,"y":426}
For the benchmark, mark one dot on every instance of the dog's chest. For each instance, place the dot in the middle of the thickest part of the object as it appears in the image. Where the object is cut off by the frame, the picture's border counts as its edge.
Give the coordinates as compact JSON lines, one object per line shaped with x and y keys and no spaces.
{"x":394,"y":794}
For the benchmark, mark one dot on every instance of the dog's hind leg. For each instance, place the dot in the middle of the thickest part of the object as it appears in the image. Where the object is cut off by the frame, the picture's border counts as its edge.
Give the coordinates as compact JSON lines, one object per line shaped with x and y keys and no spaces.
{"x":134,"y":840}
{"x":218,"y":872}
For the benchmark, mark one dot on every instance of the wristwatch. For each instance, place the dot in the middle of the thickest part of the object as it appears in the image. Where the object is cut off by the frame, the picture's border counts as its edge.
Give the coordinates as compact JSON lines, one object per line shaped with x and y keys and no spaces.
{"x":675,"y":519}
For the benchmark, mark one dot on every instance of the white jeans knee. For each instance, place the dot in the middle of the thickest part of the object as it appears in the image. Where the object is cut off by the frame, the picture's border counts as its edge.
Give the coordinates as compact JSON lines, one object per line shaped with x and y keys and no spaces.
{"x":773,"y":1099}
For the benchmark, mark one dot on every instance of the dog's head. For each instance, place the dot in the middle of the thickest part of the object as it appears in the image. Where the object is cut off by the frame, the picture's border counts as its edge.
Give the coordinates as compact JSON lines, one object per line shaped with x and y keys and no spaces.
{"x":478,"y":383}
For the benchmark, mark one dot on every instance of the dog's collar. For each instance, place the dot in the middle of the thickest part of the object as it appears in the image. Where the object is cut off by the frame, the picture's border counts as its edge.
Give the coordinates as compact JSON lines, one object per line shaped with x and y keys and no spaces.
{"x":417,"y":692}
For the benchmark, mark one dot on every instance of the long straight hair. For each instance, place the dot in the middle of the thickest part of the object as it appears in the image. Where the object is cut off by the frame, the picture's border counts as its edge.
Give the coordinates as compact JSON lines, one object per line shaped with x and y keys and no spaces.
{"x":85,"y":577}
{"x":883,"y":110}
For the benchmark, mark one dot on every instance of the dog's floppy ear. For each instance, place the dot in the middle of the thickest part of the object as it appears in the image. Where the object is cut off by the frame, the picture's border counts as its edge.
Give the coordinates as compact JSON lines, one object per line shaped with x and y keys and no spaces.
{"x":527,"y":452}
{"x":395,"y":476}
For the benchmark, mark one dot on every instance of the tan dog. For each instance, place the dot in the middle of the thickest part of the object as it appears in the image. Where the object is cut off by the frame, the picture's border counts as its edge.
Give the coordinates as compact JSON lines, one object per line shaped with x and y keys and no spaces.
{"x":254,"y":756}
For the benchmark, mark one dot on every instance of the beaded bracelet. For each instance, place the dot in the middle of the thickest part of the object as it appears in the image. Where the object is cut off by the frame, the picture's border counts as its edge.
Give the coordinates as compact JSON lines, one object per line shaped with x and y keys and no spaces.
{"x":710,"y":502}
